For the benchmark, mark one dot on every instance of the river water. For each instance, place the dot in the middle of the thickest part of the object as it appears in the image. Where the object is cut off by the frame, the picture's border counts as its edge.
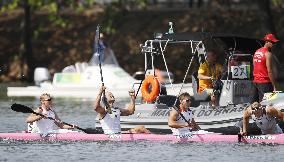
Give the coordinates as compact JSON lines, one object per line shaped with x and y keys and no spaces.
{"x":80,"y":112}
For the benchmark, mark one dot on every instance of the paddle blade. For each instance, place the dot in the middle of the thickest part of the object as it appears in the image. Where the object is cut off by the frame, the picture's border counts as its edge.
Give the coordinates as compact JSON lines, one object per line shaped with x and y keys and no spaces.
{"x":21,"y":108}
{"x":240,"y":137}
{"x":91,"y":130}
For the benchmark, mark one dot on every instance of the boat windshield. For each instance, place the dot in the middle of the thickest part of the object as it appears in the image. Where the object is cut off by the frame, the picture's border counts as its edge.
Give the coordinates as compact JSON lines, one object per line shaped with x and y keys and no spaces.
{"x":107,"y":58}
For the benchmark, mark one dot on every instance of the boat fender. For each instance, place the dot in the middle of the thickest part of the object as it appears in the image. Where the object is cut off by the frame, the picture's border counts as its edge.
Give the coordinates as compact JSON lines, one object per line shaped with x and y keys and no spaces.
{"x":150,"y":88}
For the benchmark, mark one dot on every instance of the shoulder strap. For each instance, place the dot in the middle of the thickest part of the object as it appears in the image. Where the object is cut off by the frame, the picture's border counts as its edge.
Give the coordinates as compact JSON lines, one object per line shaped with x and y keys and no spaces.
{"x":40,"y":108}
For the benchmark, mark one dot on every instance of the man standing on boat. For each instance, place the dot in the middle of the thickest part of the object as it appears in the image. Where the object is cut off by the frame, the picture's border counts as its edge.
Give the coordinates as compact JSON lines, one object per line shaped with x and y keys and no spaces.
{"x":179,"y":126}
{"x":40,"y":124}
{"x":262,"y":69}
{"x":110,"y":122}
{"x":208,"y":72}
{"x":264,"y":117}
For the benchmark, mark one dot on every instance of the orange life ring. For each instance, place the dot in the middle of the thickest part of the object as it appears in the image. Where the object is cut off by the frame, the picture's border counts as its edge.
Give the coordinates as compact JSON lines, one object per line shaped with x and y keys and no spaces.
{"x":150,"y":96}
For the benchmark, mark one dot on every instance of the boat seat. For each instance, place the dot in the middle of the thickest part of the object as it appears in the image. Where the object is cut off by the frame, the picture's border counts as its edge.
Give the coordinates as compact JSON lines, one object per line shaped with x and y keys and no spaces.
{"x":203,"y":96}
{"x":169,"y":100}
{"x":163,"y":90}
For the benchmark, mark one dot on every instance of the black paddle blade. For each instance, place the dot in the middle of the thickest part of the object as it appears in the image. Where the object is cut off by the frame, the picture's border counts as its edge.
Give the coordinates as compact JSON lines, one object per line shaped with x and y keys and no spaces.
{"x":21,"y":108}
{"x":240,"y":137}
{"x":92,"y":130}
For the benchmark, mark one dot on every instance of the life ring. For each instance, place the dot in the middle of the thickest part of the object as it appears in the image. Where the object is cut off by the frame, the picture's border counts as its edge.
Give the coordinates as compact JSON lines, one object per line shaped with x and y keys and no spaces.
{"x":147,"y":94}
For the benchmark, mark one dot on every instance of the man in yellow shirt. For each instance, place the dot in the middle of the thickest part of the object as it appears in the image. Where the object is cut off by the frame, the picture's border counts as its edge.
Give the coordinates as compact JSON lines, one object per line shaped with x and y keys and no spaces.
{"x":209,"y":71}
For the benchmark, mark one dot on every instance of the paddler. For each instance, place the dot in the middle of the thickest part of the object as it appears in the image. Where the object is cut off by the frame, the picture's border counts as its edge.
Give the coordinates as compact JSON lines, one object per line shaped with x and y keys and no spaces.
{"x":43,"y":125}
{"x":264,"y":117}
{"x":110,"y":120}
{"x":179,"y":125}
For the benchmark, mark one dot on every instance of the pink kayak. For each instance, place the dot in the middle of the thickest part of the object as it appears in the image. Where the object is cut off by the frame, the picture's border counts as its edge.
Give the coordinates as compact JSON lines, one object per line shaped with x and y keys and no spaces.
{"x":78,"y":136}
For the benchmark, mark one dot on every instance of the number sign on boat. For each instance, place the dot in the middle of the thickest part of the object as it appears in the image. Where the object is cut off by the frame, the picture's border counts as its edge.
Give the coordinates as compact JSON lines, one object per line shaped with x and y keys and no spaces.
{"x":240,"y":72}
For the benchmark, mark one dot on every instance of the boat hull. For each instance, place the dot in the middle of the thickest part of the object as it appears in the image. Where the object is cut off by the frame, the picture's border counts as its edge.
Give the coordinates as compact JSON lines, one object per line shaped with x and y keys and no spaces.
{"x":80,"y":85}
{"x":63,"y":92}
{"x":155,"y":116}
{"x":212,"y":137}
{"x":220,"y":119}
{"x":87,"y":91}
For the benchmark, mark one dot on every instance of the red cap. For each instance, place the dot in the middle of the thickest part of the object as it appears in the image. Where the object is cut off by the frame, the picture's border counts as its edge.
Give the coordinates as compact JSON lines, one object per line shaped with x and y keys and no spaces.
{"x":270,"y":37}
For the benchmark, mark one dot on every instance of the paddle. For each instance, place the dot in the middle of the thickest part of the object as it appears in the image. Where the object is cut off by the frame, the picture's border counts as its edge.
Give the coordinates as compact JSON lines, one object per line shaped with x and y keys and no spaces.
{"x":26,"y":109}
{"x":97,"y":50}
{"x":240,"y":137}
{"x":182,"y":116}
{"x":174,"y":105}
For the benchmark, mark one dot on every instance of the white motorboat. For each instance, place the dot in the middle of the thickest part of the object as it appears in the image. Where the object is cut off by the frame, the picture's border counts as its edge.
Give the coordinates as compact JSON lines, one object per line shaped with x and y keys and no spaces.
{"x":236,"y":91}
{"x":83,"y":80}
{"x":83,"y":85}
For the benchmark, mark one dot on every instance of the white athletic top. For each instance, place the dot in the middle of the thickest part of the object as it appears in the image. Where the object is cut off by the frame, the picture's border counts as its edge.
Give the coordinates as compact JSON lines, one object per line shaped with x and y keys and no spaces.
{"x":188,"y":115}
{"x":267,"y":124}
{"x":111,"y":122}
{"x":42,"y":126}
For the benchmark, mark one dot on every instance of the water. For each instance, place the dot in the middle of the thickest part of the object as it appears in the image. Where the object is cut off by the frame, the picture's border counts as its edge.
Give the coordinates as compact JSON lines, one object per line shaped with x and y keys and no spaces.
{"x":80,"y":112}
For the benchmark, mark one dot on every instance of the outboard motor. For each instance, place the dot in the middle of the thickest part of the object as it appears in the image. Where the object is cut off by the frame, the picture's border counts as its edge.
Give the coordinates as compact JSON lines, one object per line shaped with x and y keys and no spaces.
{"x":41,"y":74}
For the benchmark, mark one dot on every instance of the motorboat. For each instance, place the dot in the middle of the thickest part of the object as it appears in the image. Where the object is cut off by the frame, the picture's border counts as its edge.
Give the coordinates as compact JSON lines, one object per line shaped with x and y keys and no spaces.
{"x":83,"y":84}
{"x":235,"y":93}
{"x":83,"y":79}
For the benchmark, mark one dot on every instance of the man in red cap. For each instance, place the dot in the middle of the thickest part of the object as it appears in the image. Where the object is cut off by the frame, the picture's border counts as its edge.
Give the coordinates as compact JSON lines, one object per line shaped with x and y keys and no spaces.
{"x":262,"y":69}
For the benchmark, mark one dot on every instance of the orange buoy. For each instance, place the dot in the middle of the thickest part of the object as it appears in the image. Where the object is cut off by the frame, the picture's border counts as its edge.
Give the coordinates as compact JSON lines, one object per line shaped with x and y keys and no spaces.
{"x":150,"y":88}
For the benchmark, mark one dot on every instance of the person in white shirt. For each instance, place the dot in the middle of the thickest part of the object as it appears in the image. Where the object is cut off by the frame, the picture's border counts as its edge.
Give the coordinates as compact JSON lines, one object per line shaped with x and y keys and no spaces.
{"x":110,"y":122}
{"x":40,"y":124}
{"x":264,"y":117}
{"x":176,"y":121}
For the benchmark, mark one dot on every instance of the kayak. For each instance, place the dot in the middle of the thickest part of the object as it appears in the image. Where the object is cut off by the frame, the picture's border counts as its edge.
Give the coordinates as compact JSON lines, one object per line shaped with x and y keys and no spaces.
{"x":79,"y":136}
{"x":86,"y":135}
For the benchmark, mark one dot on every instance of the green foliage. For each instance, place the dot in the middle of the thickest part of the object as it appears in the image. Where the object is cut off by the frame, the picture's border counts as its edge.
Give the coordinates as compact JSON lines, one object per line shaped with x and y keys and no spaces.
{"x":9,"y":6}
{"x":52,"y":7}
{"x":116,"y":11}
{"x":278,"y":2}
{"x":142,"y":3}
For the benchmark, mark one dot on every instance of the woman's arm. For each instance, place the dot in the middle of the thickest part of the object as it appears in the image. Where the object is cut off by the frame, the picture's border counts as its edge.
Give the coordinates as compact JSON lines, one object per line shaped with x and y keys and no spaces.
{"x":195,"y":125}
{"x":60,"y":124}
{"x":33,"y":117}
{"x":273,"y":112}
{"x":97,"y":104}
{"x":246,"y":117}
{"x":172,"y":122}
{"x":131,"y":107}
